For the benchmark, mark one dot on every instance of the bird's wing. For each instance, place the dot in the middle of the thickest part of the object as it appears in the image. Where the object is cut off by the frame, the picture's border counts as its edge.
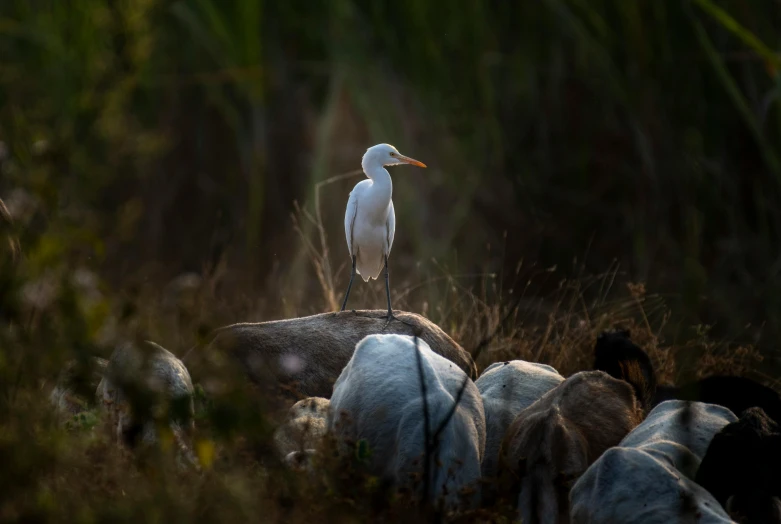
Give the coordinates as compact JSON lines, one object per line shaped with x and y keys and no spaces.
{"x":349,"y":219}
{"x":390,"y":225}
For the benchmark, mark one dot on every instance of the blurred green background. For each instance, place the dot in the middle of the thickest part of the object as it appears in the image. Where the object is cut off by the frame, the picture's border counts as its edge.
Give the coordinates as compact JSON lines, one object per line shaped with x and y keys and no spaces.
{"x":151,"y":149}
{"x":146,"y":139}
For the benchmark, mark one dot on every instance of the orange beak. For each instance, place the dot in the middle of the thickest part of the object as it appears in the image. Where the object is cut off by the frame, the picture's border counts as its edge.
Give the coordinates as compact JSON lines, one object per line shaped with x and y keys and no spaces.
{"x":408,"y":160}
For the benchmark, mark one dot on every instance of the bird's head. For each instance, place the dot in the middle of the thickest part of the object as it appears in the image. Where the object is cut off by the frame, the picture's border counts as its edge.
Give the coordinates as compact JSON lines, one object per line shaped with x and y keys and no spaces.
{"x":387,"y":155}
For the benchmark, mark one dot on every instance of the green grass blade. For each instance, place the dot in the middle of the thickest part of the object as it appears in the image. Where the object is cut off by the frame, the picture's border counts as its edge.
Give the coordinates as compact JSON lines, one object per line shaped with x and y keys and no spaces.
{"x":732,"y":25}
{"x":737,"y":98}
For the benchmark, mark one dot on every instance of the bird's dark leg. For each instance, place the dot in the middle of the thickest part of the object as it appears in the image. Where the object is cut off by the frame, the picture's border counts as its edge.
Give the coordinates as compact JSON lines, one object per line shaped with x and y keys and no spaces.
{"x":391,"y":316}
{"x":387,"y":290}
{"x":352,"y":275}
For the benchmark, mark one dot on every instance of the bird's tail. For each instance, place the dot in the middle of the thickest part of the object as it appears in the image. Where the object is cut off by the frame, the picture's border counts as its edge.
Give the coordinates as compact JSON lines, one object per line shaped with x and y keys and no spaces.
{"x":368,"y":273}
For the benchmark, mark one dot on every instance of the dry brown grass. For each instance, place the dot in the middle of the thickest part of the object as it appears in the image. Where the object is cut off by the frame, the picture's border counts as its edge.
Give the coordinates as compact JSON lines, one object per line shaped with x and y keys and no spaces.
{"x":244,"y":482}
{"x":80,"y":474}
{"x":558,"y":329}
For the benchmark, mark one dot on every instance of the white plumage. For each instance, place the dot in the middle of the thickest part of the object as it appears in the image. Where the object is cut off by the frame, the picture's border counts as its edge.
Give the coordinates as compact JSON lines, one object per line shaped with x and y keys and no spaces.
{"x":370,"y":221}
{"x":369,"y":229}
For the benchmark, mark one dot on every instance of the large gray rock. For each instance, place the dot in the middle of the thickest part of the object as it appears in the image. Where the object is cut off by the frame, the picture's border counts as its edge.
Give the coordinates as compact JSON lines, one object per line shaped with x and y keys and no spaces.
{"x":553,"y":441}
{"x":507,"y":389}
{"x":307,"y":354}
{"x":648,"y":477}
{"x":378,"y":399}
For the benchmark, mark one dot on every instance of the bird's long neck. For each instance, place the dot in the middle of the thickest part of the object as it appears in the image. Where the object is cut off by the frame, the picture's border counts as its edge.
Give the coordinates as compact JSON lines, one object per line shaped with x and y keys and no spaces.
{"x":381,"y":179}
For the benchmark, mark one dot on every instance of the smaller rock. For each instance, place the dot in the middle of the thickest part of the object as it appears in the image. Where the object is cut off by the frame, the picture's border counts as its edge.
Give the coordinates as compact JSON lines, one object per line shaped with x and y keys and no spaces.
{"x":304,"y":428}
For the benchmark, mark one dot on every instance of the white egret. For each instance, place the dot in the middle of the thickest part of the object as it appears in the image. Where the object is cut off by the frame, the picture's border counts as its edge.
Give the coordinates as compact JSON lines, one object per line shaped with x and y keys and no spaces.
{"x":370,"y":222}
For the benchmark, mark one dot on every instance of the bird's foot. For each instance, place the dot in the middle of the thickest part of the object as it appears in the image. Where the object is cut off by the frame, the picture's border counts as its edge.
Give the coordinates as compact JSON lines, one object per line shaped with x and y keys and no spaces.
{"x":392,"y":317}
{"x":389,"y":318}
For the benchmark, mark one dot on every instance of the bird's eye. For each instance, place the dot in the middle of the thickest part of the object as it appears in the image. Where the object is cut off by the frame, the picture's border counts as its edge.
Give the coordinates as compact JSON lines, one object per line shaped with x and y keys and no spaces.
{"x":393,"y":154}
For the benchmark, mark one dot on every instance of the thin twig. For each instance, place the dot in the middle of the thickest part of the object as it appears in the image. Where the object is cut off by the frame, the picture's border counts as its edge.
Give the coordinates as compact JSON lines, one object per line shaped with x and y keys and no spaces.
{"x":427,"y":444}
{"x":475,"y":353}
{"x":321,"y":228}
{"x":318,"y":223}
